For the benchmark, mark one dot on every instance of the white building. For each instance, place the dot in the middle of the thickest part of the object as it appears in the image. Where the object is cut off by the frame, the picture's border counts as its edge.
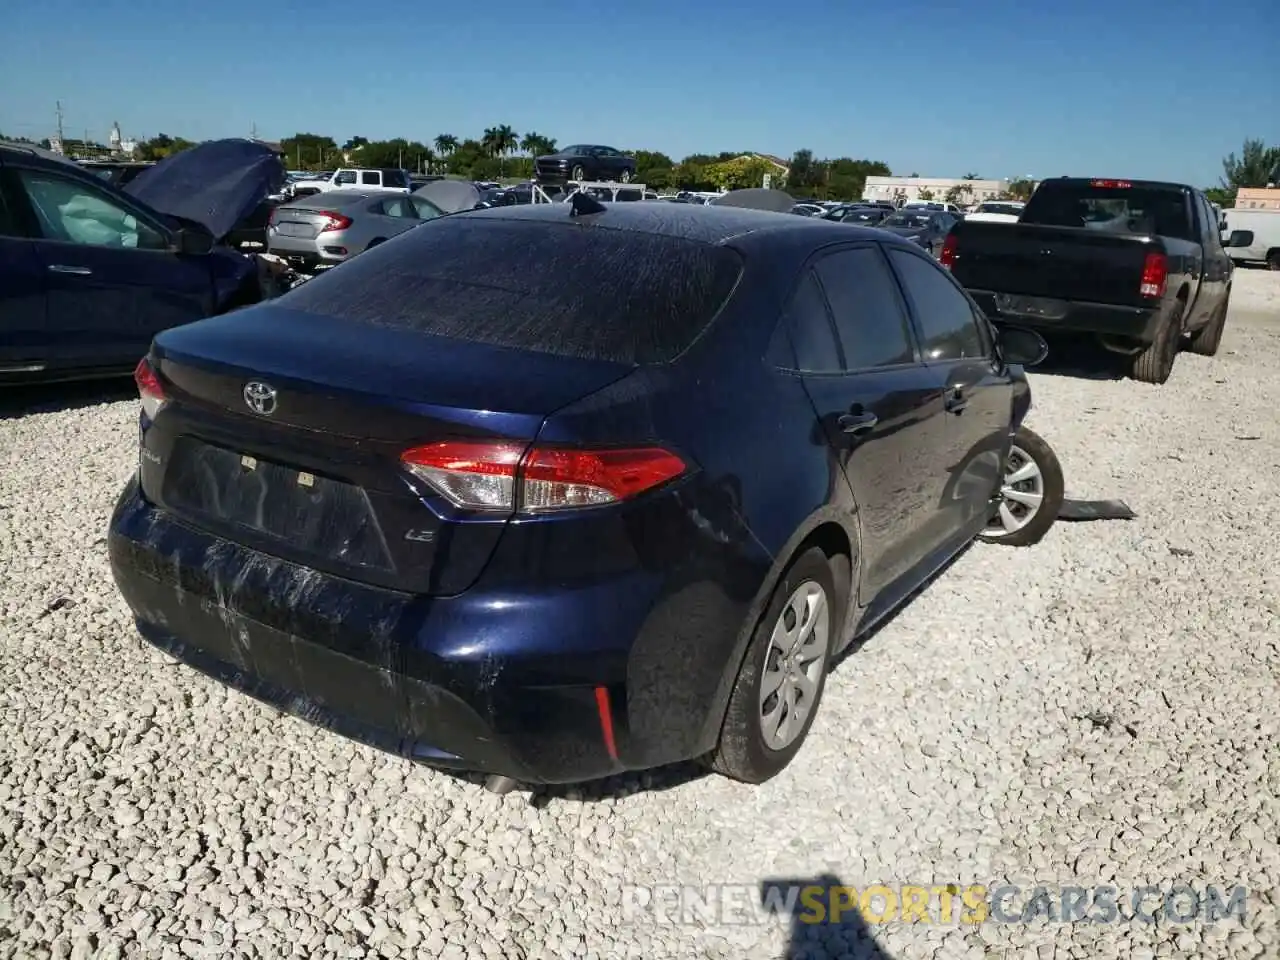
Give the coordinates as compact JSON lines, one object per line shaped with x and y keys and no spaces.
{"x":906,"y":189}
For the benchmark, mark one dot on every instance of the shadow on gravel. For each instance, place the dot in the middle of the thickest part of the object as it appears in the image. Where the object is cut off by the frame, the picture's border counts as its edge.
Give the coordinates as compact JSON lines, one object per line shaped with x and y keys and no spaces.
{"x":611,"y":788}
{"x":858,"y":644}
{"x":1081,"y":358}
{"x":21,"y":401}
{"x":825,"y":924}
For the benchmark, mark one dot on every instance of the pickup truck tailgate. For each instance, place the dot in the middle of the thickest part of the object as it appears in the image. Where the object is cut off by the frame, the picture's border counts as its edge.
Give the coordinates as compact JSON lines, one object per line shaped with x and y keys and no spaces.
{"x":1068,"y":263}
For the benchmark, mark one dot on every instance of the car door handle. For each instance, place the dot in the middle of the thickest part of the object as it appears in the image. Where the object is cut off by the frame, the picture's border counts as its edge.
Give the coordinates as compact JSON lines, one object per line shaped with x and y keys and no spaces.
{"x":957,"y":400}
{"x":857,"y":423}
{"x":74,"y":271}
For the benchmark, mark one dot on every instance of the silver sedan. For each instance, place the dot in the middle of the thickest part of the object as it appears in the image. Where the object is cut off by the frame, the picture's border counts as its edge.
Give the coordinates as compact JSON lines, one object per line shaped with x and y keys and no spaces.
{"x":321,"y":231}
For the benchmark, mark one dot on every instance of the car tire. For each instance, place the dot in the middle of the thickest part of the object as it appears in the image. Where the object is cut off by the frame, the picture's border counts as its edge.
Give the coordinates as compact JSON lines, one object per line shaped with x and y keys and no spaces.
{"x":1208,"y":338}
{"x":578,"y":173}
{"x":1155,"y":364}
{"x":1273,"y":259}
{"x":375,"y":241}
{"x":625,"y":176}
{"x":748,"y":750}
{"x":1043,"y":478}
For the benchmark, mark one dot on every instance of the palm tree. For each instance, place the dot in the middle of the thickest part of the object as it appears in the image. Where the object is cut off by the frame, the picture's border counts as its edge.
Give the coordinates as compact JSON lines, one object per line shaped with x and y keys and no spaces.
{"x":498,"y":142}
{"x":446,"y":143}
{"x":536,"y":145}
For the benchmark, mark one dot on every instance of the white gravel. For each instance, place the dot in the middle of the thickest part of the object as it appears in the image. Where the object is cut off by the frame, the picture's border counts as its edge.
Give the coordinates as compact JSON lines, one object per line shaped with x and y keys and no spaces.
{"x":147,"y":812}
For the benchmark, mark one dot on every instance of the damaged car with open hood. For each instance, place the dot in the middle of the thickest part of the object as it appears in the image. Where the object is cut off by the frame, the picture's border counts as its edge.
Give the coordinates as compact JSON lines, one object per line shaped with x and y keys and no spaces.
{"x":91,"y":272}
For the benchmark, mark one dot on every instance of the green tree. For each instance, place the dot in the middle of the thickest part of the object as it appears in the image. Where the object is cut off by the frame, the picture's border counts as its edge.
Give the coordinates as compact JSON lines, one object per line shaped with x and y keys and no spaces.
{"x":309,"y":151}
{"x":846,"y":178}
{"x":739,"y":172}
{"x":925,"y":194}
{"x":972,"y":176}
{"x":498,"y":142}
{"x":157,"y":148}
{"x":354,"y":143}
{"x":1256,"y":166}
{"x":653,"y":169}
{"x":805,"y":174}
{"x":536,"y":145}
{"x":446,"y":143}
{"x":1021,"y":189}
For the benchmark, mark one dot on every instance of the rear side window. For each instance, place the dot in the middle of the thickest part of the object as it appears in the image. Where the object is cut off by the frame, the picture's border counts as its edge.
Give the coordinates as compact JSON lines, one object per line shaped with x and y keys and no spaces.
{"x":394,"y":178}
{"x":868,"y":311}
{"x":370,"y":178}
{"x":813,"y":338}
{"x":1109,"y":206}
{"x":553,"y":287}
{"x":345,"y":176}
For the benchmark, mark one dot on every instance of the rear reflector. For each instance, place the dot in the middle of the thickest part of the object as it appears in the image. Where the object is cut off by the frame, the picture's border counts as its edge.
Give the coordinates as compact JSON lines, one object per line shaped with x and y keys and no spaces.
{"x":149,"y":388}
{"x":497,"y":475}
{"x":1155,"y":272}
{"x":948,"y":255}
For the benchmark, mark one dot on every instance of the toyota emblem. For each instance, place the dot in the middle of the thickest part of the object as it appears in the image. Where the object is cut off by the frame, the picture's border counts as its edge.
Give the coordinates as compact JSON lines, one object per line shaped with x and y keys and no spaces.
{"x":260,"y":397}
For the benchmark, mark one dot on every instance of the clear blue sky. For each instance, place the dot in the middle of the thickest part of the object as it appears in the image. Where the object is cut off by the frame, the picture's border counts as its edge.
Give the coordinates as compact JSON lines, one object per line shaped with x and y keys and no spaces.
{"x":1092,"y":87}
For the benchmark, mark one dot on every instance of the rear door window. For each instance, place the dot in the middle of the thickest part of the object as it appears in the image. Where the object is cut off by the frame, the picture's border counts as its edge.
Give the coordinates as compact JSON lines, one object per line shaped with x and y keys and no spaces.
{"x":370,"y":178}
{"x":552,"y":287}
{"x":394,"y":178}
{"x":868,"y":310}
{"x":345,"y":176}
{"x":945,"y":318}
{"x":74,"y":212}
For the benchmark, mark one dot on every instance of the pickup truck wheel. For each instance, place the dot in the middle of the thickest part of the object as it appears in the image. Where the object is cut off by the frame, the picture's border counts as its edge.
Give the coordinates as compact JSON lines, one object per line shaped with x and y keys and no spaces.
{"x":1155,"y":364}
{"x":1207,"y":339}
{"x":1031,"y":493}
{"x":1273,"y":259}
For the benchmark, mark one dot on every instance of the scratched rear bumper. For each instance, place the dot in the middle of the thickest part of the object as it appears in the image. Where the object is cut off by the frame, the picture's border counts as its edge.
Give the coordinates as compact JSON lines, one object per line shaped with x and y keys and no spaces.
{"x":333,"y":652}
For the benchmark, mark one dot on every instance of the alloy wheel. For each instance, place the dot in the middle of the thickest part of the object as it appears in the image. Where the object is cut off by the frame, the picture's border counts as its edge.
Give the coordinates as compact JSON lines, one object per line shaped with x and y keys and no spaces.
{"x":1021,"y":494}
{"x":794,"y":664}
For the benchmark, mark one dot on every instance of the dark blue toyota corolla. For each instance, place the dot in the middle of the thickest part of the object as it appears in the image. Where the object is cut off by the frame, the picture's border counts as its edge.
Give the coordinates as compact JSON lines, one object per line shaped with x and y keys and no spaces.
{"x":552,"y":496}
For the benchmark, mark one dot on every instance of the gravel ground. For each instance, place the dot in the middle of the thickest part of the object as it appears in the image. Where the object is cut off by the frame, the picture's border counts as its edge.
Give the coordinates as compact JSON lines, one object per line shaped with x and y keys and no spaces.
{"x":1101,"y":708}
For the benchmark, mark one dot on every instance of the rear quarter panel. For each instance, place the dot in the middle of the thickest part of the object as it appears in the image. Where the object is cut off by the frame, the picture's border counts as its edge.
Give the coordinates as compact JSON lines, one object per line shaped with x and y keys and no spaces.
{"x":716,"y":541}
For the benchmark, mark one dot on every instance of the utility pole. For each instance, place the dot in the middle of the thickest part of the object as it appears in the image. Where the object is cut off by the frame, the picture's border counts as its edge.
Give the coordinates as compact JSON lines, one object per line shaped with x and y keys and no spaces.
{"x":254,"y":133}
{"x":59,"y":112}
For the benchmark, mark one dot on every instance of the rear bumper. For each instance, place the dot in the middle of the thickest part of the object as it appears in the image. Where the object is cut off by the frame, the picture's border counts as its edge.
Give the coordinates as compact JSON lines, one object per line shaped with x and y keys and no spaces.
{"x":1076,"y":316}
{"x":304,"y":256}
{"x":548,"y":688}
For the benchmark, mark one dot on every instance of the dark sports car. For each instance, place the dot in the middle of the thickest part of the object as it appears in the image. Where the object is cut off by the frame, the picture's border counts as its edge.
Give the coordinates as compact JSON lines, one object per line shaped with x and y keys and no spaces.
{"x":927,"y":228}
{"x":585,"y":162}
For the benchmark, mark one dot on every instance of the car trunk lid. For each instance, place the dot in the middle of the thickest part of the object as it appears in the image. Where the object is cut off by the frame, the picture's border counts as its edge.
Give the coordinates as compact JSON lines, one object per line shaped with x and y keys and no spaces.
{"x":293,"y":448}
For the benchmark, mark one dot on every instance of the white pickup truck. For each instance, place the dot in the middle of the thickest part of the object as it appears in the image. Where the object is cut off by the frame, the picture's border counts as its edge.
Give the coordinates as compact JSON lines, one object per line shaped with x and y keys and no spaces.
{"x":356,"y":178}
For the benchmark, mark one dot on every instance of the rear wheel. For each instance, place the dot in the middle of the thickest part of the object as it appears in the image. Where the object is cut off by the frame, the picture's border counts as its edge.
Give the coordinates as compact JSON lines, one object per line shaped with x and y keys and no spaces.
{"x":1208,"y":338}
{"x":1273,"y":259}
{"x":783,"y":674}
{"x":578,"y":173}
{"x":1155,"y":364}
{"x":625,"y":176}
{"x":1031,"y":493}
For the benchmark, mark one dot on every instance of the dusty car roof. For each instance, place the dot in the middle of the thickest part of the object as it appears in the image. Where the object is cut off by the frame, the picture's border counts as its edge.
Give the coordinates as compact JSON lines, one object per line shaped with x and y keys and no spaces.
{"x":707,"y":224}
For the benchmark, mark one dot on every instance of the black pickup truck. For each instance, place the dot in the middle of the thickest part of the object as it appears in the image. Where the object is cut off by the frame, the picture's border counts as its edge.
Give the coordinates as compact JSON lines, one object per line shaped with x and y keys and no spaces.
{"x":1139,"y":264}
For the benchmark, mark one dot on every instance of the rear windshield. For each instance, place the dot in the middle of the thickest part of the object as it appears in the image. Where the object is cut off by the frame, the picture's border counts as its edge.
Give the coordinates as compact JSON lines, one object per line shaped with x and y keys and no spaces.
{"x":1161,"y":211}
{"x":564,"y":289}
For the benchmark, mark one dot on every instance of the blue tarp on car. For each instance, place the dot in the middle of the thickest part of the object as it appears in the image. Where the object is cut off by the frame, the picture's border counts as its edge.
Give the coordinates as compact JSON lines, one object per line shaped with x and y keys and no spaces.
{"x":216,"y":184}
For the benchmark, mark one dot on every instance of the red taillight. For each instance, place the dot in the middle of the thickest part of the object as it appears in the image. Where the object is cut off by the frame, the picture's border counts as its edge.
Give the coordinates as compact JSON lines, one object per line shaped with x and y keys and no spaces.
{"x":149,"y":388}
{"x":1155,"y":271}
{"x":1111,"y":184}
{"x":480,"y":475}
{"x":336,"y":221}
{"x":948,"y":255}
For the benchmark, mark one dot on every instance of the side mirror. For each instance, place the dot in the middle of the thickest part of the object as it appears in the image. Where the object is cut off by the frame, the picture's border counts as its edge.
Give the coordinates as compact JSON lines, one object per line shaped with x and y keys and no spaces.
{"x":1018,"y":345}
{"x":1222,"y":224}
{"x":192,"y":242}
